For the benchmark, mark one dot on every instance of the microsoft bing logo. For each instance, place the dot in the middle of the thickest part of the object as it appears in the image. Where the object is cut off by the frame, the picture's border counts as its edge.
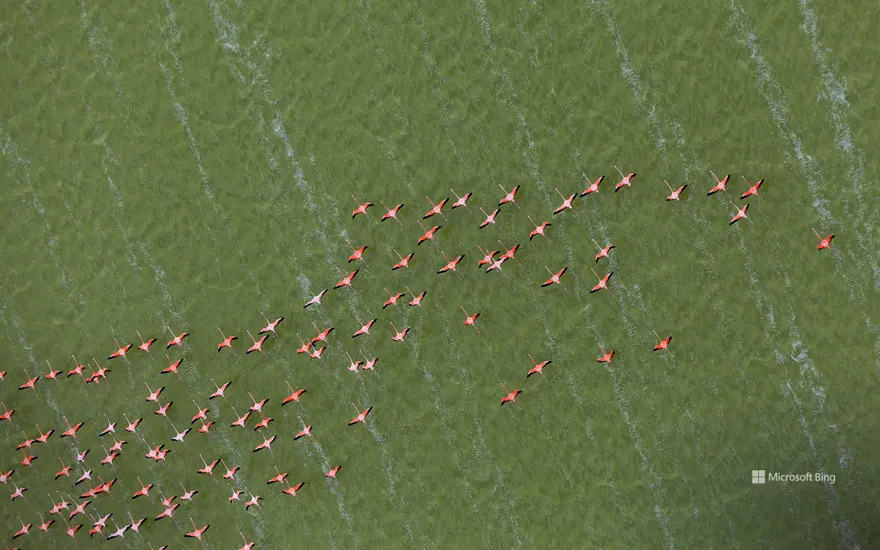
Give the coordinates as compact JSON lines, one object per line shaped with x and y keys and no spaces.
{"x":759,"y":477}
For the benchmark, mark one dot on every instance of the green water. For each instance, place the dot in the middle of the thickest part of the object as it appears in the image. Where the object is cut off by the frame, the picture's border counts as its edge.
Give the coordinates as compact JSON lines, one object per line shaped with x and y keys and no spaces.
{"x":191,"y":165}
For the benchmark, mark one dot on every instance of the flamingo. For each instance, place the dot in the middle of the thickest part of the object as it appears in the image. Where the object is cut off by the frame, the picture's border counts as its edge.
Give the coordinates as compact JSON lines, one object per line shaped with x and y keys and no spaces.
{"x":510,"y":397}
{"x":258,"y":344}
{"x":120,"y":350}
{"x":258,"y":405}
{"x":144,"y":491}
{"x":674,"y":195}
{"x":554,"y":277}
{"x":306,"y":431}
{"x":315,"y":300}
{"x":488,"y":257}
{"x":163,"y":410}
{"x":145,"y":346}
{"x":365,"y":328}
{"x":119,"y":532}
{"x":227,"y":341}
{"x":509,"y":253}
{"x":566,"y":203}
{"x":357,"y":253}
{"x":451,"y":264}
{"x":294,"y":395}
{"x":266,"y":444}
{"x":31,"y":382}
{"x":188,"y":495}
{"x":270,"y":327}
{"x":333,"y":471}
{"x":625,"y":180}
{"x":278,"y":478}
{"x":753,"y":189}
{"x":4,"y":478}
{"x":823,"y":243}
{"x":230,"y":472}
{"x":209,"y":468}
{"x":346,"y":280}
{"x":51,"y":375}
{"x":305,"y":345}
{"x":370,"y":363}
{"x":154,"y":395}
{"x":509,"y":197}
{"x":7,"y":414}
{"x":429,"y":233}
{"x":177,"y":340}
{"x":316,"y":353}
{"x":132,"y":426}
{"x":179,"y":435}
{"x":18,"y":493}
{"x":539,"y":230}
{"x":471,"y":320}
{"x":436,"y":208}
{"x":720,"y":184}
{"x":399,"y":334}
{"x":361,"y":209}
{"x":172,"y":366}
{"x":247,"y":545}
{"x":25,"y":530}
{"x":77,"y":369}
{"x":490,"y":218}
{"x":404,"y":262}
{"x":603,"y":281}
{"x":603,"y":251}
{"x":264,"y":423}
{"x":135,"y":525}
{"x":664,"y":342}
{"x":460,"y":201}
{"x":293,"y":490}
{"x":606,"y":356}
{"x":539,"y":367}
{"x":322,"y":334}
{"x":197,"y":533}
{"x":221,"y":390}
{"x":44,"y":525}
{"x":361,"y":417}
{"x":417,"y":300}
{"x":594,"y":187}
{"x":168,"y":512}
{"x":392,"y":212}
{"x":353,"y":367}
{"x":740,"y":213}
{"x":71,"y":430}
{"x":254,"y":501}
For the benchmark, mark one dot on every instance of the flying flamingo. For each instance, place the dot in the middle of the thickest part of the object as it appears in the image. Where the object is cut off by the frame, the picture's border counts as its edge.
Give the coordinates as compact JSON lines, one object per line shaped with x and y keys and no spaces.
{"x":25,"y":530}
{"x":44,"y":525}
{"x":346,"y":280}
{"x":404,"y":262}
{"x":417,"y":300}
{"x":247,"y":545}
{"x":270,"y":327}
{"x":823,"y":243}
{"x":436,"y":208}
{"x":235,"y":496}
{"x":539,"y":230}
{"x":52,"y":374}
{"x":77,"y":369}
{"x":322,"y":334}
{"x":451,"y":264}
{"x":488,"y":257}
{"x":740,"y":213}
{"x":306,"y":431}
{"x":753,"y":189}
{"x":4,"y":478}
{"x":163,"y":410}
{"x":429,"y":233}
{"x":554,"y":277}
{"x":471,"y":320}
{"x":135,"y":525}
{"x":154,"y":395}
{"x":71,"y":531}
{"x":509,"y":253}
{"x":392,"y":212}
{"x":18,"y":493}
{"x":316,"y":300}
{"x":316,"y":353}
{"x":196,"y":533}
{"x":294,"y":395}
{"x":510,"y":397}
{"x":110,"y":457}
{"x":209,"y":468}
{"x":254,"y":501}
{"x":664,"y":343}
{"x":119,"y":532}
{"x":120,"y":350}
{"x":509,"y":197}
{"x":177,"y":340}
{"x":172,"y":366}
{"x":365,"y":328}
{"x":201,"y":415}
{"x":71,"y":430}
{"x":27,"y":458}
{"x":361,"y":417}
{"x":31,"y":382}
{"x":566,"y":203}
{"x":674,"y":195}
{"x":305,"y":345}
{"x":132,"y":426}
{"x":264,"y":423}
{"x":258,"y":344}
{"x":221,"y":390}
{"x":490,"y":218}
{"x":538,"y":368}
{"x":26,"y":444}
{"x":370,"y":362}
{"x":332,"y":473}
{"x":117,"y":445}
{"x":278,"y":478}
{"x":227,"y":341}
{"x":353,"y":367}
{"x":168,"y":511}
{"x":603,"y":251}
{"x":144,"y":491}
{"x":603,"y":281}
{"x":399,"y":335}
{"x":111,"y":428}
{"x":230,"y":472}
{"x":460,"y":201}
{"x":594,"y":187}
{"x":606,"y":356}
{"x":720,"y":184}
{"x":625,"y":180}
{"x":266,"y":444}
{"x":258,"y":405}
{"x":293,"y":490}
{"x":145,"y":346}
{"x":361,"y":209}
{"x":357,"y":253}
{"x":7,"y":414}
{"x":188,"y":495}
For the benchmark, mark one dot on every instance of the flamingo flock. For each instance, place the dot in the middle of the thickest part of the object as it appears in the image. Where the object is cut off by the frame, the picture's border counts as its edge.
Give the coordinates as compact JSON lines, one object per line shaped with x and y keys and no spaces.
{"x":89,"y":502}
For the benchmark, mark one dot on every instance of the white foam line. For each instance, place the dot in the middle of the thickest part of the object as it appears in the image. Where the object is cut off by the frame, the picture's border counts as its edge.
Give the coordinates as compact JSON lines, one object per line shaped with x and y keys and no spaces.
{"x":337,"y":492}
{"x":835,"y":94}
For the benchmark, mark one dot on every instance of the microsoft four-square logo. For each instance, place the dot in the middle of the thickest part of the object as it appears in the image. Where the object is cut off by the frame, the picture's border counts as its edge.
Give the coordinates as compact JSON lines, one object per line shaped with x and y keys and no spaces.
{"x":759,"y":477}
